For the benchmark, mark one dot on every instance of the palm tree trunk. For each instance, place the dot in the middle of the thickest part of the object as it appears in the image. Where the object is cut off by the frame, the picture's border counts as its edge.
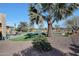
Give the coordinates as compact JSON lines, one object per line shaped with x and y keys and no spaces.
{"x":49,"y":32}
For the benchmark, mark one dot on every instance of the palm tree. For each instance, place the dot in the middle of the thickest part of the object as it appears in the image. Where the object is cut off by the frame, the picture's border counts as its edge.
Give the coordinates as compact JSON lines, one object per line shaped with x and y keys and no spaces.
{"x":72,"y":23}
{"x":50,"y":12}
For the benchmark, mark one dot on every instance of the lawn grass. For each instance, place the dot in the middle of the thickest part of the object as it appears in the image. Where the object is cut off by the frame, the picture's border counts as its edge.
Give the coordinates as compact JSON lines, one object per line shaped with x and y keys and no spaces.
{"x":21,"y":38}
{"x":25,"y":37}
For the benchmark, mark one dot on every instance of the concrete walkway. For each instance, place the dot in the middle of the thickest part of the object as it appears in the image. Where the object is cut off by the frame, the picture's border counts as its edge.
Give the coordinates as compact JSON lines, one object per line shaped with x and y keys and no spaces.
{"x":8,"y":48}
{"x":60,"y":46}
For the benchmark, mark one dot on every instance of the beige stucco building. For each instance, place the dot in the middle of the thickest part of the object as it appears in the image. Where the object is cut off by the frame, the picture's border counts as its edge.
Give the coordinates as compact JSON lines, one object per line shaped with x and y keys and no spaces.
{"x":2,"y":26}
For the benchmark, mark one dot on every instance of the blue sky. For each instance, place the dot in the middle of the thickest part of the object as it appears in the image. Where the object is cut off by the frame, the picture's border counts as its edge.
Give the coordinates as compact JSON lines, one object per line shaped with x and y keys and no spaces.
{"x":62,"y":22}
{"x":16,"y":12}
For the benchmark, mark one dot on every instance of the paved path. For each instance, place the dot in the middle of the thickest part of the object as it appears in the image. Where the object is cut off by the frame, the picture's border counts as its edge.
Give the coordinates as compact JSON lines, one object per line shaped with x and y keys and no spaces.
{"x":11,"y":47}
{"x":60,"y":44}
{"x":64,"y":43}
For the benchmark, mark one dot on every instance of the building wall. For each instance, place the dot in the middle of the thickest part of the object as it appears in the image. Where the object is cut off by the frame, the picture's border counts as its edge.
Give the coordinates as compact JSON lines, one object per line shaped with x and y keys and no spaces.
{"x":8,"y":30}
{"x":0,"y":27}
{"x":3,"y":22}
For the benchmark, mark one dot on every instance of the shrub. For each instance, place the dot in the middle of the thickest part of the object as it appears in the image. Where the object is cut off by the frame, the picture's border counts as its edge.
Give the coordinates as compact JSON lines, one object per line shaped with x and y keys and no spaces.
{"x":29,"y":35}
{"x":44,"y":34}
{"x":40,"y":43}
{"x":68,"y":33}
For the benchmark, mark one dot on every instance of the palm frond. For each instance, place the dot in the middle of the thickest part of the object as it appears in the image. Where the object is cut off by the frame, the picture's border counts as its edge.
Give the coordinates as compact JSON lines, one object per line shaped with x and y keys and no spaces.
{"x":57,"y":11}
